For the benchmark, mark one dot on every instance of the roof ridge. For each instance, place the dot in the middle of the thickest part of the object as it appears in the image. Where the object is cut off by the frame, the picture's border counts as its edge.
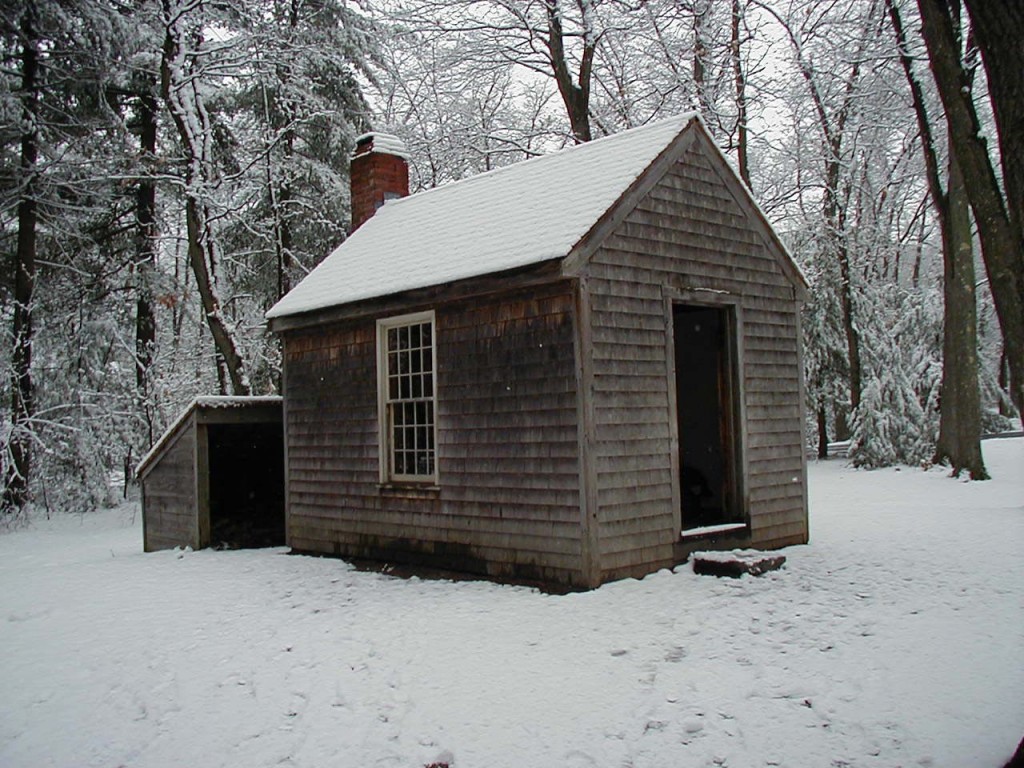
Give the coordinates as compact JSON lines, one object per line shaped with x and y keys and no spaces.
{"x":682,"y":119}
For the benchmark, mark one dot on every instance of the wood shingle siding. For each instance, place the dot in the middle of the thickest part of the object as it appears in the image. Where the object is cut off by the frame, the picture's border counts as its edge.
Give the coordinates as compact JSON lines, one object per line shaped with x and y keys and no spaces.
{"x":507,"y":497}
{"x":170,"y":506}
{"x":689,"y":233}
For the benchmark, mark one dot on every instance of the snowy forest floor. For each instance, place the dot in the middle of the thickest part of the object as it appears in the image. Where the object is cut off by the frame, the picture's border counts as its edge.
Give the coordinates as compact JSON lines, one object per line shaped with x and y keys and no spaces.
{"x":894,"y":639}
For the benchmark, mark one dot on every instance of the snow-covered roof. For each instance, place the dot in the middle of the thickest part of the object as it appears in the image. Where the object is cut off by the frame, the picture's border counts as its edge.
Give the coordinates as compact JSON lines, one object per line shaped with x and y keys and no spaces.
{"x":511,"y":217}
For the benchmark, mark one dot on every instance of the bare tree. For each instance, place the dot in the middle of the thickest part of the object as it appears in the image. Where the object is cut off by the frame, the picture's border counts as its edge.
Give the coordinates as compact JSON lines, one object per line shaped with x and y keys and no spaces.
{"x":740,"y":84}
{"x":573,"y":86}
{"x":996,"y":212}
{"x":181,"y":89}
{"x":959,"y":440}
{"x":457,"y":120}
{"x":665,"y":57}
{"x":832,"y":120}
{"x":558,"y":39}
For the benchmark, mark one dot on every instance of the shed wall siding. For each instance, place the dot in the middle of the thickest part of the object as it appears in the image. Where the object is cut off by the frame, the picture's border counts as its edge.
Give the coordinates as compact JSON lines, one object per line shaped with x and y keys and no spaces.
{"x":688,"y":234}
{"x":169,"y":496}
{"x":507,"y":502}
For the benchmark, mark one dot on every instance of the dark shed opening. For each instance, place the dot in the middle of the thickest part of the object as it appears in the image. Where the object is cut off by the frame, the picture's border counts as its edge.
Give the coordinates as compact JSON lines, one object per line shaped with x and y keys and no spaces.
{"x":246,"y":485}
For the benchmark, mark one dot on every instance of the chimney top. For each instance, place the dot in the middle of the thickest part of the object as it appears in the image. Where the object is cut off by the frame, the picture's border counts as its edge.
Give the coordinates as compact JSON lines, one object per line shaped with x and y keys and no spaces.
{"x":387,"y":143}
{"x":379,"y":172}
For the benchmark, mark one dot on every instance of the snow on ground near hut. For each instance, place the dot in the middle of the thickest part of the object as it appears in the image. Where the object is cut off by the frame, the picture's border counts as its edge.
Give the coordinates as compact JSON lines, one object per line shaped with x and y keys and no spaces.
{"x":894,"y":639}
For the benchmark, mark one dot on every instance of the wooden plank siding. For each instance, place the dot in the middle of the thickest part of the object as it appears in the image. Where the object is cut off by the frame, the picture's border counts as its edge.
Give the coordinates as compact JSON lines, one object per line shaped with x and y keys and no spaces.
{"x":170,"y":516}
{"x":689,"y":234}
{"x":507,"y":500}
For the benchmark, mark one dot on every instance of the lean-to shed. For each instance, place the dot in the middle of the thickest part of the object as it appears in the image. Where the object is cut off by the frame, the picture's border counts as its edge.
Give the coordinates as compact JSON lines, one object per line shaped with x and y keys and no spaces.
{"x":573,"y":369}
{"x":216,"y":477}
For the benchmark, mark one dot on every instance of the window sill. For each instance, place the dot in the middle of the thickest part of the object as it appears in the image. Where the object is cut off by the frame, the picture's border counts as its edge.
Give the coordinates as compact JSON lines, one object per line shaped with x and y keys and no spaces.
{"x":410,"y":490}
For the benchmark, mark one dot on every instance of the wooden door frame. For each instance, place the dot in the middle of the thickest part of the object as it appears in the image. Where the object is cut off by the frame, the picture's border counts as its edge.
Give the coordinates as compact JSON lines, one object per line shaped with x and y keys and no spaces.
{"x":734,"y":325}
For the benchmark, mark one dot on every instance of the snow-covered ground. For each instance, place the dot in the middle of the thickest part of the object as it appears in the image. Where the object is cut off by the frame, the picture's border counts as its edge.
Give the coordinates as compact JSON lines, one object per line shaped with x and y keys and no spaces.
{"x":895,"y":639}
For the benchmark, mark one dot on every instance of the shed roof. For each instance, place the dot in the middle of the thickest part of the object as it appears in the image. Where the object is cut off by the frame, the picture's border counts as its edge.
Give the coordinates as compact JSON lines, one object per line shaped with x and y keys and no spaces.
{"x":512,"y":217}
{"x":207,"y":404}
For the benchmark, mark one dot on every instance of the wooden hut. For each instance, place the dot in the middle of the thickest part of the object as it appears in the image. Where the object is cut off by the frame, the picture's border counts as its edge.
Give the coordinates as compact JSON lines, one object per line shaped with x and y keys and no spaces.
{"x":216,"y":477}
{"x":574,"y":369}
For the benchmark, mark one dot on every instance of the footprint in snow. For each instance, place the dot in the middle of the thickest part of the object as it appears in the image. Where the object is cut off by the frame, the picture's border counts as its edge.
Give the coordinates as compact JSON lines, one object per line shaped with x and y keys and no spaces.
{"x":578,"y":759}
{"x":675,"y":654}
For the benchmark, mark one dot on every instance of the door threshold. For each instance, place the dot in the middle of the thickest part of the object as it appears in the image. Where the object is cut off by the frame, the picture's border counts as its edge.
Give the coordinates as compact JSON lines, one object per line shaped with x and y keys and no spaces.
{"x":708,"y":530}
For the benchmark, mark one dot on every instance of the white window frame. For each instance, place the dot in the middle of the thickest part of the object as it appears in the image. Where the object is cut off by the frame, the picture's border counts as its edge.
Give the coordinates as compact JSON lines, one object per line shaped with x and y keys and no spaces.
{"x":385,"y":403}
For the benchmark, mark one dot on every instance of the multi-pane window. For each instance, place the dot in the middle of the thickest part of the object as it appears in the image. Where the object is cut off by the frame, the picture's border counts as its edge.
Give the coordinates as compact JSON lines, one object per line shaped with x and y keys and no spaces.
{"x":407,"y":398}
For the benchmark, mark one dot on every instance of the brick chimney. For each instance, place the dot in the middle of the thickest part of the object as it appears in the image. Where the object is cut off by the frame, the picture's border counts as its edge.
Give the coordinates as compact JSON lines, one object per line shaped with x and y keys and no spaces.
{"x":379,"y":172}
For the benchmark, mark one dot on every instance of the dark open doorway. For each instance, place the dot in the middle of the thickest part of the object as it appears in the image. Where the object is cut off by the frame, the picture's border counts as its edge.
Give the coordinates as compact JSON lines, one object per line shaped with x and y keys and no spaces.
{"x":246,"y":485}
{"x":706,"y":398}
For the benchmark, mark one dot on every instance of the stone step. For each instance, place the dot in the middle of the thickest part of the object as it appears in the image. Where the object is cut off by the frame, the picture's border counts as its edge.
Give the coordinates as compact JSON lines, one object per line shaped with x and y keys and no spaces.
{"x":735,"y":563}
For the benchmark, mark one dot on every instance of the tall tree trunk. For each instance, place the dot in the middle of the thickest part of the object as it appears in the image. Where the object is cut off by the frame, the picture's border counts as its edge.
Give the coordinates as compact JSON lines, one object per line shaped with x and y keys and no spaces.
{"x":960,"y":416}
{"x":575,"y":95}
{"x":822,"y":418}
{"x":286,"y":198}
{"x":280,"y":194}
{"x":849,"y":323}
{"x":996,"y":28}
{"x":837,"y":236}
{"x":960,"y":420}
{"x":740,"y":83}
{"x":184,"y":102}
{"x":1002,"y":241}
{"x":280,"y":202}
{"x":281,"y":117}
{"x":700,"y":53}
{"x":197,"y":223}
{"x":145,"y":244}
{"x":19,"y":471}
